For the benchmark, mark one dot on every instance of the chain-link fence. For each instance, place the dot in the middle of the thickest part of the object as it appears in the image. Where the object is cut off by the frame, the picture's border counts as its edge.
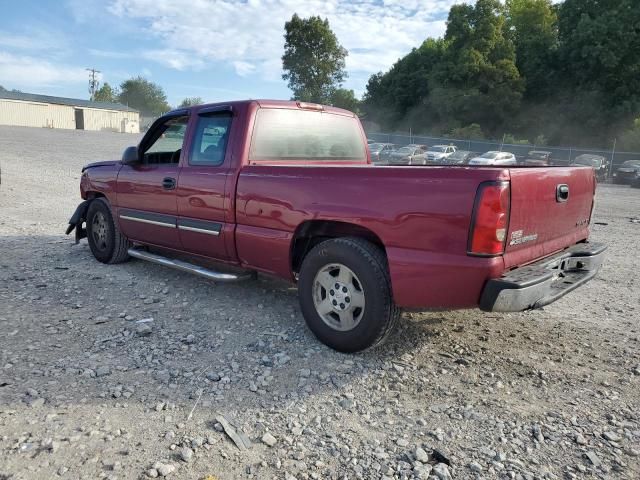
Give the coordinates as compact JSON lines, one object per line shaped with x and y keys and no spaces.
{"x":559,"y":155}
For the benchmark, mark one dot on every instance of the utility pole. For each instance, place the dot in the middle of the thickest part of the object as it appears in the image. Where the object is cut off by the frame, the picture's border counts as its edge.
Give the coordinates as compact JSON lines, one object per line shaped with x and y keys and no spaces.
{"x":94,"y":83}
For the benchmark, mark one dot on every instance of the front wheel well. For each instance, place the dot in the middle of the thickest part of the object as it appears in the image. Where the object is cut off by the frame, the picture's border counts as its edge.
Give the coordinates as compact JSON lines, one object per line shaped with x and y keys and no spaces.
{"x":310,"y":233}
{"x":94,"y":195}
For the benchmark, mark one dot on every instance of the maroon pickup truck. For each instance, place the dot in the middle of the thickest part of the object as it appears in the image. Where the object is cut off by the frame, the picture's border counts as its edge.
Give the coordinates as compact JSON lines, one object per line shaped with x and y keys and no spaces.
{"x":286,"y":188}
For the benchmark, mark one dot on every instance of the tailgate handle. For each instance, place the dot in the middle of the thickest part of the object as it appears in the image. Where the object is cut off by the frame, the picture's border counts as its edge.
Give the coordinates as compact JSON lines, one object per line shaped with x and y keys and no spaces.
{"x":562,"y":193}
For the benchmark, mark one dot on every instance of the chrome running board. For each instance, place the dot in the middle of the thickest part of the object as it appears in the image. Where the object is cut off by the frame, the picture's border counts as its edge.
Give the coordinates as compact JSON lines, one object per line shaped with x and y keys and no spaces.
{"x":189,"y":267}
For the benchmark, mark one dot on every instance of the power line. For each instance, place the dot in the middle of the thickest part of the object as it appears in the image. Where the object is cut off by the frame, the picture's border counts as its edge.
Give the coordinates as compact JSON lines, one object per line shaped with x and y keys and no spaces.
{"x":94,"y":83}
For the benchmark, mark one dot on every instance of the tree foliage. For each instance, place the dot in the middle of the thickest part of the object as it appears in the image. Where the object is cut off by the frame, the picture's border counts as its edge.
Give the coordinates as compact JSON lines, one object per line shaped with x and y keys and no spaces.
{"x":2,"y":89}
{"x":313,"y":60}
{"x":533,"y":29}
{"x":630,"y":139}
{"x":105,"y":93}
{"x":343,"y":98}
{"x":567,"y":72}
{"x":143,"y":95}
{"x":190,"y":102}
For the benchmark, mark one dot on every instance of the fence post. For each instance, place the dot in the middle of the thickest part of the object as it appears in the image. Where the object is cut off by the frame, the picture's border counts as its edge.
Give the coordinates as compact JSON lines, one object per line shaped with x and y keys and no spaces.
{"x":613,"y":154}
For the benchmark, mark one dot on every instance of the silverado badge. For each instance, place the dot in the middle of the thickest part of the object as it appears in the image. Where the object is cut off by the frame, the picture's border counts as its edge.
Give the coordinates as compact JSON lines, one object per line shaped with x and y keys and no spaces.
{"x":518,"y":238}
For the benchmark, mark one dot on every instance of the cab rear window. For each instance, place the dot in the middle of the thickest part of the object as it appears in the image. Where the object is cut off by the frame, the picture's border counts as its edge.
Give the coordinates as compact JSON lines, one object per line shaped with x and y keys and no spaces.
{"x":287,"y":135}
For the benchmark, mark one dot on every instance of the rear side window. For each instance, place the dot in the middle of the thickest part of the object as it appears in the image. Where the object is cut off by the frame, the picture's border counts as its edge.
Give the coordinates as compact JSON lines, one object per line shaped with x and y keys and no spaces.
{"x":284,"y":134}
{"x":210,"y":139}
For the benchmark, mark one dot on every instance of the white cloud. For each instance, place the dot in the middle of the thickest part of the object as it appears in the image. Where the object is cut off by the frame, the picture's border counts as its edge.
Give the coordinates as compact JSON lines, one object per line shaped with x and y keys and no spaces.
{"x":174,"y":58}
{"x":25,"y":72}
{"x":244,"y":68}
{"x":249,"y":35}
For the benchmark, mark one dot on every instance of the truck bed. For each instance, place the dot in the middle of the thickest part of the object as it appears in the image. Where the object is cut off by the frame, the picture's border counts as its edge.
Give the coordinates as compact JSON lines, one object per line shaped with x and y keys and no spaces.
{"x":421,"y":215}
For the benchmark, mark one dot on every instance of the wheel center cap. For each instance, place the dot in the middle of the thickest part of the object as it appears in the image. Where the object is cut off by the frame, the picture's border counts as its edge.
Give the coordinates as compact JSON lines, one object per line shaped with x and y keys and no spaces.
{"x":340,"y":296}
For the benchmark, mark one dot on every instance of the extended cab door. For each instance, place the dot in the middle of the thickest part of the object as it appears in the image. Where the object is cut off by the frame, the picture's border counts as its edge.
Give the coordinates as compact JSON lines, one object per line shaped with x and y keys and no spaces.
{"x":205,"y":186}
{"x":146,"y":191}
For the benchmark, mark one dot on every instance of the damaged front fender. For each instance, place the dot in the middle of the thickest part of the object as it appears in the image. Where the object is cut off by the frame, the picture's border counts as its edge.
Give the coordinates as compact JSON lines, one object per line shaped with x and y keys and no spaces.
{"x":77,"y":219}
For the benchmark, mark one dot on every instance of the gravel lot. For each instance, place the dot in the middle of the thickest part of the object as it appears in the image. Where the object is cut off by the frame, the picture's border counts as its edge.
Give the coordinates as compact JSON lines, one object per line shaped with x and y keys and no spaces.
{"x":90,"y":388}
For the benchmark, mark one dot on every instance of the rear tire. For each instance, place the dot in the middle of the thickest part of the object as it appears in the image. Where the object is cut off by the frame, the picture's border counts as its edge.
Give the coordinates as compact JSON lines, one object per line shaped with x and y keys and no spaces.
{"x":107,"y":244}
{"x":345,"y":294}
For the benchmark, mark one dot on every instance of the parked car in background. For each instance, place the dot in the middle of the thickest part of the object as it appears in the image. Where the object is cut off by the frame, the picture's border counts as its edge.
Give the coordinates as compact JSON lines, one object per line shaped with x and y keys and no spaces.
{"x":379,"y":152}
{"x":438,"y":153}
{"x":597,"y":162}
{"x":635,"y":181}
{"x":460,"y":157}
{"x":494,"y":158}
{"x":385,"y":155}
{"x":406,"y":156}
{"x":627,"y":172}
{"x":419,"y":145}
{"x":538,"y":158}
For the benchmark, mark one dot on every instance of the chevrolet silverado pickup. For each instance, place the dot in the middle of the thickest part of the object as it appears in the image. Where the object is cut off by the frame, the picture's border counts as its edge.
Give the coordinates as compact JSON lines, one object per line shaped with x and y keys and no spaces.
{"x":287,"y":188}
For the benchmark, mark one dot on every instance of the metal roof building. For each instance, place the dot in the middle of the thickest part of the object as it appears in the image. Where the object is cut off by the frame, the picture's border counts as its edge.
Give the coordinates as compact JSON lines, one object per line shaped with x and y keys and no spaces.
{"x":31,"y":110}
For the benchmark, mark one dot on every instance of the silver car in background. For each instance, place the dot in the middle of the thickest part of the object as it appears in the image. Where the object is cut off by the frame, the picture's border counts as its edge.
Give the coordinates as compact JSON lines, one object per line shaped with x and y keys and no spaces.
{"x":494,"y":158}
{"x":407,"y":156}
{"x":438,"y":153}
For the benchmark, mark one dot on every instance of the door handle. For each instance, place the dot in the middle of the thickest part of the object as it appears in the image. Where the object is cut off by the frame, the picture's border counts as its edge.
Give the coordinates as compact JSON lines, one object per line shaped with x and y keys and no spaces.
{"x":168,"y":183}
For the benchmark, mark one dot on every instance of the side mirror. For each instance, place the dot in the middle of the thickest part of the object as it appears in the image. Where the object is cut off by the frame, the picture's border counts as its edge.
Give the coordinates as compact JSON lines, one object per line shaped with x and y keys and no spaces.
{"x":130,"y":156}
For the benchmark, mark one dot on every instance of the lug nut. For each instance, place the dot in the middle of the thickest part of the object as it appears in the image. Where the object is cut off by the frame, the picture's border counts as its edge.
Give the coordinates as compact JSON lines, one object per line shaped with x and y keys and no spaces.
{"x":347,"y":299}
{"x":344,"y":289}
{"x":335,"y":302}
{"x":337,"y":286}
{"x":342,"y":306}
{"x":331,"y":292}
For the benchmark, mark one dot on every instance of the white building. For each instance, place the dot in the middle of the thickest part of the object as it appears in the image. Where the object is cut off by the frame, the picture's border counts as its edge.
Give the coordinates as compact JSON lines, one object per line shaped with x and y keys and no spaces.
{"x":30,"y":110}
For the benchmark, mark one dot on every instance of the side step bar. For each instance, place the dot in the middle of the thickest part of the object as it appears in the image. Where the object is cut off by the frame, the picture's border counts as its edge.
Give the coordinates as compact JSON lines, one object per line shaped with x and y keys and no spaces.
{"x":189,"y":267}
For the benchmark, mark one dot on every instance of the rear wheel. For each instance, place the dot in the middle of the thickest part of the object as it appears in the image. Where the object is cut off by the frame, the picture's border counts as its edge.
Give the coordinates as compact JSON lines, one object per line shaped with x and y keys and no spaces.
{"x":345,"y":294}
{"x":107,"y":244}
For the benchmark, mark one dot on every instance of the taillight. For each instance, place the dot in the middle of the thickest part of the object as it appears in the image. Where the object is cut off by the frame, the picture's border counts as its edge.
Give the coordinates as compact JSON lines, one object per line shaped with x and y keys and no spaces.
{"x":490,"y":221}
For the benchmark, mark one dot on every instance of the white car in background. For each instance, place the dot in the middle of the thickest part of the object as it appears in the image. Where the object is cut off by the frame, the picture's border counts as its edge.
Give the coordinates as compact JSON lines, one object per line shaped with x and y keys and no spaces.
{"x":494,"y":158}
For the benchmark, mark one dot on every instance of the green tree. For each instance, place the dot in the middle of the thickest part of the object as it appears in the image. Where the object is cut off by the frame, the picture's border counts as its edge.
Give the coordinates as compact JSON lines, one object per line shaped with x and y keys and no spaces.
{"x":143,"y":95}
{"x":533,"y":27}
{"x":343,"y":98}
{"x":313,"y":60}
{"x":630,"y":139}
{"x":398,"y":98}
{"x":477,"y":81}
{"x":105,"y":94}
{"x":190,"y":102}
{"x":470,"y":132}
{"x":2,"y":89}
{"x":600,"y":61}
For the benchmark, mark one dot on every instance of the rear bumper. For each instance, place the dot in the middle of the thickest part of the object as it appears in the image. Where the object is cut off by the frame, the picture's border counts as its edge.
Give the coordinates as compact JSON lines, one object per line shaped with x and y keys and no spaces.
{"x":543,"y":282}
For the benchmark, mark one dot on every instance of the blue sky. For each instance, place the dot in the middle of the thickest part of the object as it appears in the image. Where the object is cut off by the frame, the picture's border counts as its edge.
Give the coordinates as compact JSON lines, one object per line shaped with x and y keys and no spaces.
{"x":217,"y":50}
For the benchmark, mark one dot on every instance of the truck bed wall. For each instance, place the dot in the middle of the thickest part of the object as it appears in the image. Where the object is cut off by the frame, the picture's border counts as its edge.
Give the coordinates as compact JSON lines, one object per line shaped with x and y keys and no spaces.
{"x":422,"y":217}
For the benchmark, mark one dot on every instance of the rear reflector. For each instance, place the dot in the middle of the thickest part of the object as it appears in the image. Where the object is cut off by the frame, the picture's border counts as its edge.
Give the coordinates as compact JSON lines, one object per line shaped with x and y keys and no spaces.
{"x":490,"y":220}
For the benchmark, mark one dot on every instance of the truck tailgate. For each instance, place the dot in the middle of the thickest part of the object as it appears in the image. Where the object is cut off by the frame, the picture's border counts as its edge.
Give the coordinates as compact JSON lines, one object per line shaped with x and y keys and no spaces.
{"x":542,"y":220}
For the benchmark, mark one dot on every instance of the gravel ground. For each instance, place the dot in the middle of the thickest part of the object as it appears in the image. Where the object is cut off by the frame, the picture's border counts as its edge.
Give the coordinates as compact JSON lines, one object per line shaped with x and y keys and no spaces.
{"x":134,"y":371}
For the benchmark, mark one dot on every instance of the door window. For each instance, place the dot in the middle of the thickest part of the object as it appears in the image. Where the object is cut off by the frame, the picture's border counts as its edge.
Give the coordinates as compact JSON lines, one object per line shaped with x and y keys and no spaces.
{"x":165,"y":144}
{"x":211,"y":138}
